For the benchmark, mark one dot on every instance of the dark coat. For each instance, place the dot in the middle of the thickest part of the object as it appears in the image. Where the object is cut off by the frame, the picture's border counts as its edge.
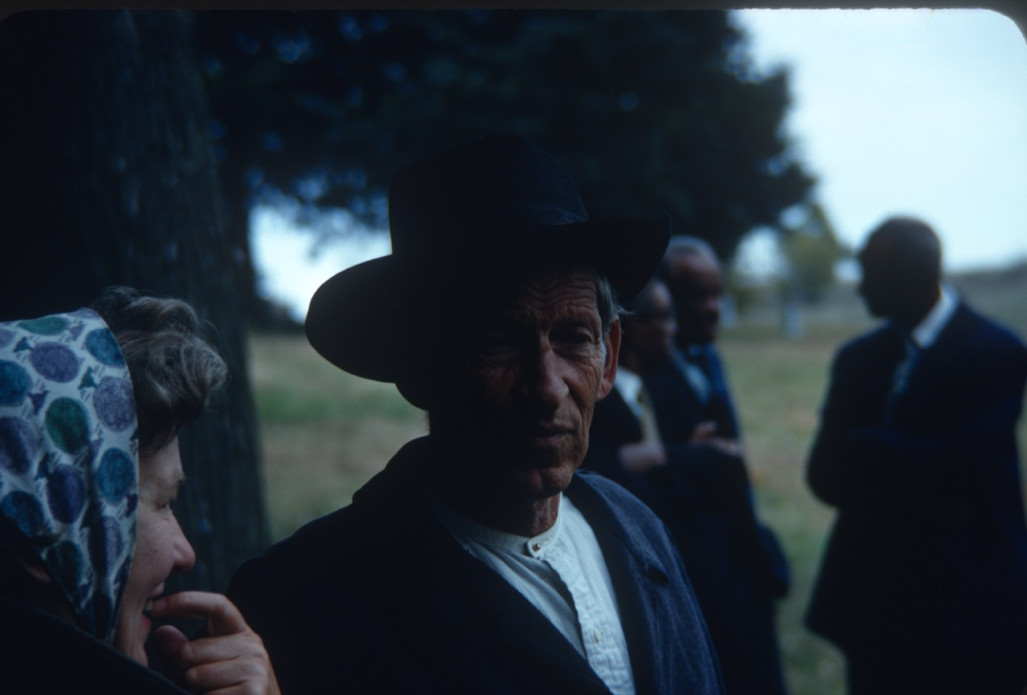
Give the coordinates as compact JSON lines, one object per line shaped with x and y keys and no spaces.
{"x":928,"y":554}
{"x":379,"y":598}
{"x":737,"y":567}
{"x":613,"y":425}
{"x":42,"y":654}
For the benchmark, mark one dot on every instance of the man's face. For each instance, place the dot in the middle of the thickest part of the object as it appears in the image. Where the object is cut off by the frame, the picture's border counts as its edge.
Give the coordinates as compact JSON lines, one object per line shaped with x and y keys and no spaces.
{"x":878,"y":285}
{"x":651,"y":331}
{"x":694,"y":282}
{"x":534,"y":362}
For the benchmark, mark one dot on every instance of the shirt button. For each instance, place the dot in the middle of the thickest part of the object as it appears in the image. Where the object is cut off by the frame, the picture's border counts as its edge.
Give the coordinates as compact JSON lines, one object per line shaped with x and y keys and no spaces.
{"x":536,"y":547}
{"x":597,"y":634}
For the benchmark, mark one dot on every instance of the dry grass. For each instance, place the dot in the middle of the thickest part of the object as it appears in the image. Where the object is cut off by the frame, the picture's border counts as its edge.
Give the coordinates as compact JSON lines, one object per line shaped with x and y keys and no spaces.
{"x":324,"y":432}
{"x":777,"y":385}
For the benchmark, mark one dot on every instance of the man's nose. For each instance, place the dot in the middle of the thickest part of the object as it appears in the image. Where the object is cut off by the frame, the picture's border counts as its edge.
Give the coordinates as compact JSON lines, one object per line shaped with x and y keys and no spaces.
{"x":544,"y":376}
{"x":711,"y":305}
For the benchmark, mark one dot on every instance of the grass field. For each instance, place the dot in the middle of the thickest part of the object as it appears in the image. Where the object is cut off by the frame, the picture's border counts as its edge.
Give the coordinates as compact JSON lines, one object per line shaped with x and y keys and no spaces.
{"x":325,"y":432}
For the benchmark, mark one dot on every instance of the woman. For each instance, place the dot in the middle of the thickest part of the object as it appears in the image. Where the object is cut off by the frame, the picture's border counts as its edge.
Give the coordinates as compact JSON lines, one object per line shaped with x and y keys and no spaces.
{"x":91,"y":403}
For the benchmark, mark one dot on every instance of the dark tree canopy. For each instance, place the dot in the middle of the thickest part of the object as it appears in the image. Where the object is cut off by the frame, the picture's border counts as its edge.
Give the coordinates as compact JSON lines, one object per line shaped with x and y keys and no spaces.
{"x":108,"y":179}
{"x":651,"y":111}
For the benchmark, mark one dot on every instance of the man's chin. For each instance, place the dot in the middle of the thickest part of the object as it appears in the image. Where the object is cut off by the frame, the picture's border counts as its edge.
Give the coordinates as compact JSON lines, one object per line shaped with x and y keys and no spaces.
{"x":541,"y":481}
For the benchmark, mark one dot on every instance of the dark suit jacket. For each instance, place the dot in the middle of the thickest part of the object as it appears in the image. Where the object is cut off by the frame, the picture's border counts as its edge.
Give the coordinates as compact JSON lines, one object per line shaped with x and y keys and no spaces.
{"x":709,"y":481}
{"x":379,"y":598}
{"x":929,"y":550}
{"x":736,"y":565}
{"x":613,"y":425}
{"x":678,"y":407}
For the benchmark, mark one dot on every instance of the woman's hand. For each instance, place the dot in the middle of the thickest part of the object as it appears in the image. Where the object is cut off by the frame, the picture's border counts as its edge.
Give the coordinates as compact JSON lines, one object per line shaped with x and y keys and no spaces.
{"x":232,"y":660}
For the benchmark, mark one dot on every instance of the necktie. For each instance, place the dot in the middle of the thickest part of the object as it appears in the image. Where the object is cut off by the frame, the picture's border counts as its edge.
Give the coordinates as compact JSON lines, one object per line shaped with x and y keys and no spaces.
{"x":900,"y":379}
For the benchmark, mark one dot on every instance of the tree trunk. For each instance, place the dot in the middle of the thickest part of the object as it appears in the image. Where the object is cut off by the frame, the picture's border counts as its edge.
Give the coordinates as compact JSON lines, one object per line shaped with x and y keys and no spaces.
{"x":108,"y":179}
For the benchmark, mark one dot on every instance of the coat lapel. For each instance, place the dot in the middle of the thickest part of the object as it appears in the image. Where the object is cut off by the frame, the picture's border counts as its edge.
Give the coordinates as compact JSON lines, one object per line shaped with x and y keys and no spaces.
{"x":637,"y":577}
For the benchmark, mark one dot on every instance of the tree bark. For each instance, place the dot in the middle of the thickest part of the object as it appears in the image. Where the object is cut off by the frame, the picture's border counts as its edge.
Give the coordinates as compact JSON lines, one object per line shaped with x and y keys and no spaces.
{"x":107,"y":179}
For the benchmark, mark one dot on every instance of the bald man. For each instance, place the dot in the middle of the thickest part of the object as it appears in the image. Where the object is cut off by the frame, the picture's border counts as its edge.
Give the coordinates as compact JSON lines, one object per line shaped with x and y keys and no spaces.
{"x":923,"y":584}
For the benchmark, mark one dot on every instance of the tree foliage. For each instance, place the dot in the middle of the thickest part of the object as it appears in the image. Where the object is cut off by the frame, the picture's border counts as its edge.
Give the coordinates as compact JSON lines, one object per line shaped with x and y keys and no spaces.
{"x":651,"y":111}
{"x":811,"y":250}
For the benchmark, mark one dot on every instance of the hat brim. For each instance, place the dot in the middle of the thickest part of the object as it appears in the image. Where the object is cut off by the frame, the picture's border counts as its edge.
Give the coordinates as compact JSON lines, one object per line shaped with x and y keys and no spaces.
{"x":358,"y":318}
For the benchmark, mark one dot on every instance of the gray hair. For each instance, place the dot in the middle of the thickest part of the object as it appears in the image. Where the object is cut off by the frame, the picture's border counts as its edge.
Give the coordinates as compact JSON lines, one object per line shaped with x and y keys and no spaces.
{"x":174,"y":370}
{"x":607,"y":302}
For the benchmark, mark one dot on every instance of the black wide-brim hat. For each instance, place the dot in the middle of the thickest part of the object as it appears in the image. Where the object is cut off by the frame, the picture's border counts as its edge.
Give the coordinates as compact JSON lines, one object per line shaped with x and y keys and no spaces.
{"x":489,"y":203}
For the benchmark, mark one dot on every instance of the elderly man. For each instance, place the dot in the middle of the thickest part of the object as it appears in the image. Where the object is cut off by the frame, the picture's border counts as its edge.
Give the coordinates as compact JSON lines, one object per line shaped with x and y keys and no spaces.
{"x":480,"y":560}
{"x":924,"y":581}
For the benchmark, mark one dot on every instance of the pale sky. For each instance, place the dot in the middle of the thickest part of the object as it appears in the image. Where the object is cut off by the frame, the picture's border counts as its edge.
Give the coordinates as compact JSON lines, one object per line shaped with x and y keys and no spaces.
{"x":920,"y":112}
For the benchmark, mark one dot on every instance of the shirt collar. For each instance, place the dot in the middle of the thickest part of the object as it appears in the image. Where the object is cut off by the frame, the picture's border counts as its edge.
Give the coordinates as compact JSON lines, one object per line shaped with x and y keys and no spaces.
{"x":463,"y":527}
{"x":628,"y":384}
{"x":928,"y":330}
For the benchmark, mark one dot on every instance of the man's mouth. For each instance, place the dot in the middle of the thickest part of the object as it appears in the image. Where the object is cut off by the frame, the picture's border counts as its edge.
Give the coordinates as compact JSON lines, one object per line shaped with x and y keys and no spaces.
{"x":547,"y":435}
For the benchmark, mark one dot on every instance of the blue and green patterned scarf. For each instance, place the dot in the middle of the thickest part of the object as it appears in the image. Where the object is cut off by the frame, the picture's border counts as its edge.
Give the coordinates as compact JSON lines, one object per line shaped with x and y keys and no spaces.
{"x":68,"y":456}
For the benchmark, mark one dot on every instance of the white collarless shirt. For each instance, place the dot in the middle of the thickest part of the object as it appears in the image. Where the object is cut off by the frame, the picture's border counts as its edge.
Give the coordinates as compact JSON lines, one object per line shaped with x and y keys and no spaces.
{"x":563,"y":574}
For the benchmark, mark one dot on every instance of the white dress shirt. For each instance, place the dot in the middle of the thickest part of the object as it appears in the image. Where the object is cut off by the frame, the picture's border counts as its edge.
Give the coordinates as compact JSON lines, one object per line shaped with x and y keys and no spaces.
{"x":927,"y":331}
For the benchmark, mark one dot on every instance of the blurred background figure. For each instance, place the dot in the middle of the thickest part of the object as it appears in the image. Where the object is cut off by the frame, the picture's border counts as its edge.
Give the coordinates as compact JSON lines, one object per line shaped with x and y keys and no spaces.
{"x":692,"y":273}
{"x":923,"y":584}
{"x":689,"y":465}
{"x":736,"y":562}
{"x":91,"y":405}
{"x":624,"y":442}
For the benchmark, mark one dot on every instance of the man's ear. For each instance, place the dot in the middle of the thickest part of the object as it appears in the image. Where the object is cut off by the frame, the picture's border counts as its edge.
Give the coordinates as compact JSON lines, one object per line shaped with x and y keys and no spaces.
{"x":612,"y":343}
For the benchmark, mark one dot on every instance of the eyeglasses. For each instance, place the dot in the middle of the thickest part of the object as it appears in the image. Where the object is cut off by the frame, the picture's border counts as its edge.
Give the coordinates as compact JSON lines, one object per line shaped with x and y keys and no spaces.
{"x":662,"y":315}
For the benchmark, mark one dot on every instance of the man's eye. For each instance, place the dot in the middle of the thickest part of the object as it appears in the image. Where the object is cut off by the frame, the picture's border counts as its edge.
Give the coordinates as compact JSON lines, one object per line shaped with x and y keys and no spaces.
{"x":574,"y":336}
{"x":495,"y":338}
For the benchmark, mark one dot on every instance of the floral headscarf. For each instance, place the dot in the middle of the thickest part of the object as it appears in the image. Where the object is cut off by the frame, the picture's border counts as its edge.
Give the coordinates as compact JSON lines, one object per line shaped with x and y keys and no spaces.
{"x":68,"y":456}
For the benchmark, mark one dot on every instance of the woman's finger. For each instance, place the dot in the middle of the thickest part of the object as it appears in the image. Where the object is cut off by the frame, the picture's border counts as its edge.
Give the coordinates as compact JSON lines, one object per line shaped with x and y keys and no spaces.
{"x":222,"y":617}
{"x":232,"y":659}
